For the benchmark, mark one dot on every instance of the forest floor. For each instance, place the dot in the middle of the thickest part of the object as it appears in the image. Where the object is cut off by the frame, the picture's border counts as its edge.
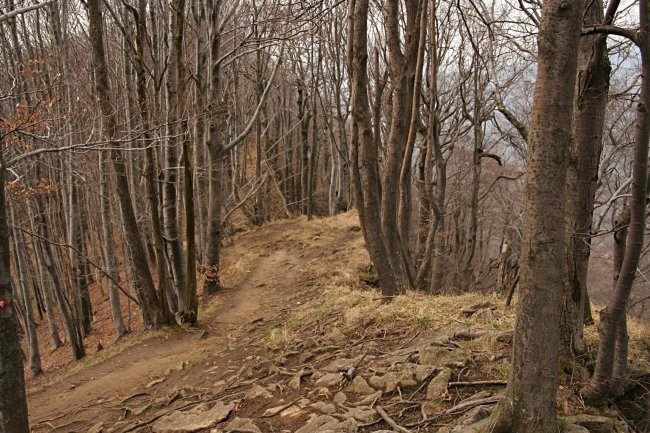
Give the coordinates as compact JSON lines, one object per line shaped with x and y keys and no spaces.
{"x":299,"y":343}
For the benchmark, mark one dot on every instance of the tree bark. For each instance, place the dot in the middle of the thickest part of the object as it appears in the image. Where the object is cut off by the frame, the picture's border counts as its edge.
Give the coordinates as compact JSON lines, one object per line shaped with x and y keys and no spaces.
{"x":612,"y":331}
{"x":13,"y":401}
{"x":582,"y":176}
{"x":149,"y":301}
{"x":529,"y":403}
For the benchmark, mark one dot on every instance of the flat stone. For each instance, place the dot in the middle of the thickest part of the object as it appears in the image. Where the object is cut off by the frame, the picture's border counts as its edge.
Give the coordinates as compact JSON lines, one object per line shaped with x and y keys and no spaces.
{"x":443,"y":357}
{"x":194,"y":420}
{"x":329,"y":380}
{"x":329,"y":424}
{"x":595,"y":424}
{"x":370,"y":399}
{"x":257,"y":391}
{"x":97,"y":428}
{"x":242,"y":425}
{"x":438,"y":385}
{"x":325,"y":408}
{"x":364,"y":415}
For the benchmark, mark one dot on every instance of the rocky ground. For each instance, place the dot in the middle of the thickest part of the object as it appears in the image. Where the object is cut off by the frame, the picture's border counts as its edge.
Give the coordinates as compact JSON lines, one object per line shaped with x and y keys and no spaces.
{"x":301,"y":344}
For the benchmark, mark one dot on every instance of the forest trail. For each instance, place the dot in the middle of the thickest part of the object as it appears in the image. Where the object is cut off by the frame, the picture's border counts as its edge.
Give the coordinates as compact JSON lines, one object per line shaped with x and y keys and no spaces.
{"x":300,"y":344}
{"x":268,"y":268}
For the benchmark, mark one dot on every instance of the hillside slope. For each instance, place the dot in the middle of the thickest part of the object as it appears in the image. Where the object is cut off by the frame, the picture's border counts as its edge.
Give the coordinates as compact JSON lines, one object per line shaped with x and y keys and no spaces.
{"x":300,"y":344}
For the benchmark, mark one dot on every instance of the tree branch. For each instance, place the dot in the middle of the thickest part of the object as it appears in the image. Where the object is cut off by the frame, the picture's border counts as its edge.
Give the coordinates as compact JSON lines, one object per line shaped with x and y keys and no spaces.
{"x":11,"y":14}
{"x":611,"y":30}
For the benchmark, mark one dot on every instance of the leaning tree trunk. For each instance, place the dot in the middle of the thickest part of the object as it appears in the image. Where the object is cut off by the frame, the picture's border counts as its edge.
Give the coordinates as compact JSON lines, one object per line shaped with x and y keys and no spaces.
{"x":529,"y":402}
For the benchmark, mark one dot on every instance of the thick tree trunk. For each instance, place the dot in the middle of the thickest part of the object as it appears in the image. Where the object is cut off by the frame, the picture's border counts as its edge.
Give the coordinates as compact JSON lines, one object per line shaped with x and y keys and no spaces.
{"x":13,"y":401}
{"x":529,"y":403}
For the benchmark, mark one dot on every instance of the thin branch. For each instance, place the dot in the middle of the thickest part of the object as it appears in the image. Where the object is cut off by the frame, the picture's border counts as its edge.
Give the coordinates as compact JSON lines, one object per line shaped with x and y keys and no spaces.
{"x":258,"y":109}
{"x":90,"y":262}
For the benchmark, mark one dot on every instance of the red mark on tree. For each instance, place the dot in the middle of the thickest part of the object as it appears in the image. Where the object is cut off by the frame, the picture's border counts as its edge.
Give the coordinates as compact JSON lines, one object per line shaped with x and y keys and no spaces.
{"x":4,"y":304}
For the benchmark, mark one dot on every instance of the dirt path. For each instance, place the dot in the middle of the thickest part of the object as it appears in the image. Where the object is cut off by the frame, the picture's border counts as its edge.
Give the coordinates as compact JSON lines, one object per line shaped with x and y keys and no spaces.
{"x":155,"y":367}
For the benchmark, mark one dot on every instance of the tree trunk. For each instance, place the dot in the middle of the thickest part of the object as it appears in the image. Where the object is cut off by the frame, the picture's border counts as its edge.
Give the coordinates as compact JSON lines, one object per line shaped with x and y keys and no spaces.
{"x":529,"y":403}
{"x":25,"y":280}
{"x":175,"y":138}
{"x":150,"y":303}
{"x":109,"y":248}
{"x":13,"y":401}
{"x":582,"y":176}
{"x":603,"y":382}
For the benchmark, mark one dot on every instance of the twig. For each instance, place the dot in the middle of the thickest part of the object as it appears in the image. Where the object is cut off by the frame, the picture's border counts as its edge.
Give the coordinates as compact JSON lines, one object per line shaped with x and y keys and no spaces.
{"x":391,"y":422}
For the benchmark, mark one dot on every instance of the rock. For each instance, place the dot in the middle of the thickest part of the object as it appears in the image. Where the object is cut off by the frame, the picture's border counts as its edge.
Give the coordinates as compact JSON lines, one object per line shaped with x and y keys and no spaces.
{"x":294,"y":383}
{"x":370,"y":399}
{"x":322,"y":407}
{"x":359,"y":385}
{"x":257,"y":391}
{"x":423,"y":371}
{"x":343,"y":363}
{"x":339,"y":398}
{"x":438,"y":385}
{"x":329,"y":424}
{"x":443,"y":357}
{"x":97,"y":428}
{"x":377,"y":381}
{"x":595,"y":424}
{"x":329,"y":380}
{"x":574,"y":428}
{"x":364,"y":415}
{"x":242,"y":425}
{"x":194,"y":420}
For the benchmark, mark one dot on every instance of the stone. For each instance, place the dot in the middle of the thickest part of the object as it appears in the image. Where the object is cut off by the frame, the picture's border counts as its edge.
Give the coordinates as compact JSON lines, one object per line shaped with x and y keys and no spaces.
{"x":443,"y":357}
{"x":193,"y":420}
{"x":359,"y":385}
{"x":294,"y":383}
{"x":242,"y":425}
{"x":97,"y":428}
{"x":325,"y":408}
{"x":423,"y":371}
{"x":329,"y":424}
{"x":329,"y":380}
{"x":339,"y":398}
{"x":364,"y":415}
{"x":438,"y":385}
{"x":370,"y":399}
{"x":257,"y":391}
{"x":574,"y":428}
{"x":593,"y":423}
